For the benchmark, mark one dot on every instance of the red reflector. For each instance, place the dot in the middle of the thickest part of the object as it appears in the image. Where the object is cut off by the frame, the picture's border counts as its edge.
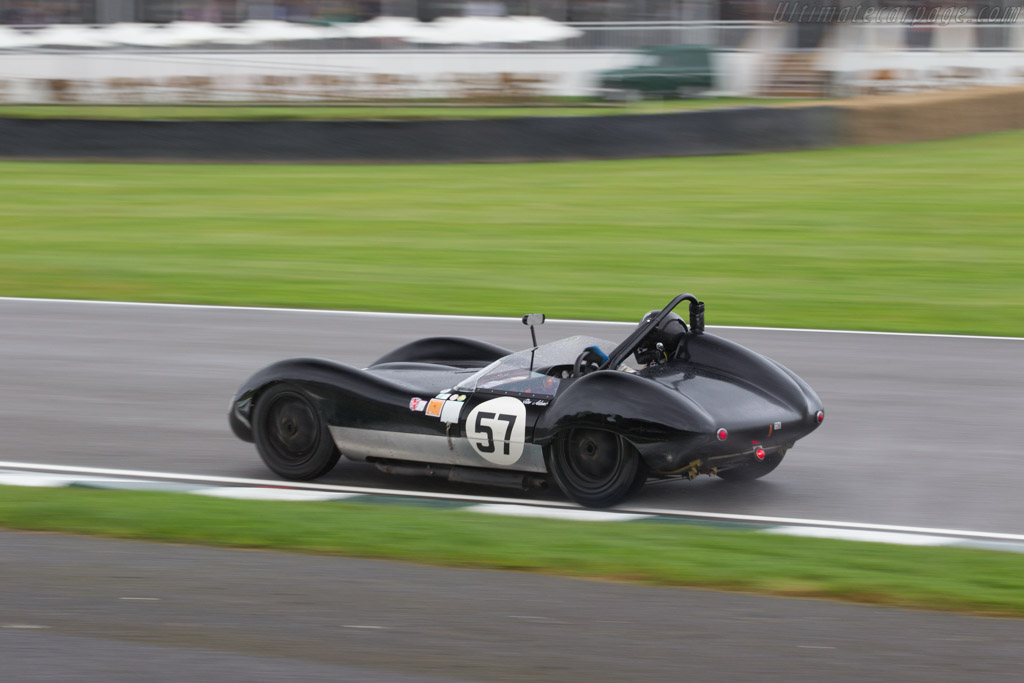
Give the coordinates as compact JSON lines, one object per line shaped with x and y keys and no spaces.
{"x":759,"y":453}
{"x":722,"y":435}
{"x":820,"y":416}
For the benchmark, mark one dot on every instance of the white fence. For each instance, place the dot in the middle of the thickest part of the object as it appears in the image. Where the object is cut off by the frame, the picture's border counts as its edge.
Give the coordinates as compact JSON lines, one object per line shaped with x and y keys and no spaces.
{"x":852,"y":55}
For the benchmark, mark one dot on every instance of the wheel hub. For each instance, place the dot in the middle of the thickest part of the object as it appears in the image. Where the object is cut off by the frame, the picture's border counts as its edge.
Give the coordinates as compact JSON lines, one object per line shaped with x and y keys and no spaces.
{"x":593,"y":458}
{"x":295,"y":433}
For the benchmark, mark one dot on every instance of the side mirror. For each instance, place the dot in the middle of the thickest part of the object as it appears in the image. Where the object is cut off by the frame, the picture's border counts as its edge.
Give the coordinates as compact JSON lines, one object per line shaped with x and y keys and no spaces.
{"x":532,"y":319}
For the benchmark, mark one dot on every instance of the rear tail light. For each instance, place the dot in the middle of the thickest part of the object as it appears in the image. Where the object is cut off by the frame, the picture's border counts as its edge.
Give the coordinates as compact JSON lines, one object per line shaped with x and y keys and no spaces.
{"x":759,"y":453}
{"x":722,"y":435}
{"x":820,"y":417}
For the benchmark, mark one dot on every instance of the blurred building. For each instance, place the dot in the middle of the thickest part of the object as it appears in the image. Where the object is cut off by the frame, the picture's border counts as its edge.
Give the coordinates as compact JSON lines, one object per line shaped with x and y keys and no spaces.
{"x":36,"y":12}
{"x":776,"y":48}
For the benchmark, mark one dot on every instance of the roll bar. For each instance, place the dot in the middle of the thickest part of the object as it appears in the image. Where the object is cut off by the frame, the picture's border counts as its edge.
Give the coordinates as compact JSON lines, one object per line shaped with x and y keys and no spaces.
{"x":650,"y":323}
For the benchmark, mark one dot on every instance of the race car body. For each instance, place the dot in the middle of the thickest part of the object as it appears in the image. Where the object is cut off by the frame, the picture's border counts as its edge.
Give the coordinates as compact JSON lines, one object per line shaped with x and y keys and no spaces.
{"x":571,"y":411}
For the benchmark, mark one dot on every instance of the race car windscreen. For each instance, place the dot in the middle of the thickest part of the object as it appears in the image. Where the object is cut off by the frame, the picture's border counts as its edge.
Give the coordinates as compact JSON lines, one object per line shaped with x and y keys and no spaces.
{"x":512,"y":373}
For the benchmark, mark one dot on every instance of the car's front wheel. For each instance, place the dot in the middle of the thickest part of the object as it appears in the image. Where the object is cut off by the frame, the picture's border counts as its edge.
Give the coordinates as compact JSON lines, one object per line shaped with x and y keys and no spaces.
{"x":754,"y":469}
{"x":596,"y":468}
{"x":291,"y":434}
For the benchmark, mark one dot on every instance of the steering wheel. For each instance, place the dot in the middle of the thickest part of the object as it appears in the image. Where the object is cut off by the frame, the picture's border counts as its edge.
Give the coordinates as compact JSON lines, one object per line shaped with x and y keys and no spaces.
{"x":588,"y":361}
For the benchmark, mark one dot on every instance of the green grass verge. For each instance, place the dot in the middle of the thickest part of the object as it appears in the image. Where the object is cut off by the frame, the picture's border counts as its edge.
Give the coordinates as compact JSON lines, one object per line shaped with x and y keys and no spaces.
{"x":947,"y":579}
{"x":371,"y":111}
{"x":921,"y":237}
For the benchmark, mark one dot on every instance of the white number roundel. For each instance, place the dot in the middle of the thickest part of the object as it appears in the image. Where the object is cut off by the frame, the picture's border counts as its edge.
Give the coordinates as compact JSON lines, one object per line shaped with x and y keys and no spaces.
{"x":497,"y":430}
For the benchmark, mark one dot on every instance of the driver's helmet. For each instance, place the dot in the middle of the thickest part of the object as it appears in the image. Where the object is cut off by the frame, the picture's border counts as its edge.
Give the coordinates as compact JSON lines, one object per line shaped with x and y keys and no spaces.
{"x":669,"y":333}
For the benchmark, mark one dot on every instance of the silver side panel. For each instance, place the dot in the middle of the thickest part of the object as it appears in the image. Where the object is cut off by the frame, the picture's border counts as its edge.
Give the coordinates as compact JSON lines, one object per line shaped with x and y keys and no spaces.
{"x":360,"y":444}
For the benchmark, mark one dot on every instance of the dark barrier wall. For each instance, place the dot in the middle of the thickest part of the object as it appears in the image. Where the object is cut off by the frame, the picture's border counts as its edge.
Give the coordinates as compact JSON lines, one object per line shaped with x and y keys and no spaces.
{"x":718,"y":131}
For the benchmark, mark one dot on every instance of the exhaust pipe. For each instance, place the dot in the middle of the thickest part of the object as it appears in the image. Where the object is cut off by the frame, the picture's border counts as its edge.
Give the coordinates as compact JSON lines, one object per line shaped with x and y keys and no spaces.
{"x":466,"y":475}
{"x":515,"y":480}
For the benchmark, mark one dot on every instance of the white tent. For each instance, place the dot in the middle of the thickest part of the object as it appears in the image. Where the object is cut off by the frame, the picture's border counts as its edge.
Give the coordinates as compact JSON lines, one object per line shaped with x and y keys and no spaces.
{"x":12,"y":39}
{"x":445,"y":31}
{"x":542,"y":29}
{"x":175,"y":34}
{"x":385,"y":27}
{"x":66,"y":35}
{"x":146,"y":35}
{"x":476,"y":30}
{"x":182,"y":33}
{"x":195,"y":33}
{"x":257,"y":31}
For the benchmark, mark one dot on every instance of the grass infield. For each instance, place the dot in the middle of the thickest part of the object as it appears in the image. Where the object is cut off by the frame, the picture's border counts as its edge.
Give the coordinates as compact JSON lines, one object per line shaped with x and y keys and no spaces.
{"x":947,"y":579}
{"x":921,"y":237}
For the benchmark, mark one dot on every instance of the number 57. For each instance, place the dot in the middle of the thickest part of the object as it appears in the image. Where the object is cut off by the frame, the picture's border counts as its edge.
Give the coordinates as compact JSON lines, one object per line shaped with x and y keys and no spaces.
{"x":488,"y":431}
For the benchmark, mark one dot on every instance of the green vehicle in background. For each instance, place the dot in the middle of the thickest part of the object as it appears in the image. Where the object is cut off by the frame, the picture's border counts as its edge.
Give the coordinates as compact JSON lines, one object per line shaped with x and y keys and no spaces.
{"x":666,"y":71}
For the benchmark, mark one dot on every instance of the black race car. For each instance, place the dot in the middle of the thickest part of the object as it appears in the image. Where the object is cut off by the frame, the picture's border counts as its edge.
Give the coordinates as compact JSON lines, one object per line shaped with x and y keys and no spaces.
{"x":572,"y":411}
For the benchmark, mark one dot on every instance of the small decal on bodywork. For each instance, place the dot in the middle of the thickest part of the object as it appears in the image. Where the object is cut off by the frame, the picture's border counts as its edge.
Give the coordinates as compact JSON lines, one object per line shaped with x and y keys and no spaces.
{"x":434,"y":407}
{"x":451,"y":410}
{"x":417,"y":404}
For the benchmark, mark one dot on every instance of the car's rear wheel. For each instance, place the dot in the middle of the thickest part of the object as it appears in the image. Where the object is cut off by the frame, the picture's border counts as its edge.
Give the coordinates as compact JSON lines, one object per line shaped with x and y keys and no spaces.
{"x":291,"y":434}
{"x":596,"y":468}
{"x":754,"y":469}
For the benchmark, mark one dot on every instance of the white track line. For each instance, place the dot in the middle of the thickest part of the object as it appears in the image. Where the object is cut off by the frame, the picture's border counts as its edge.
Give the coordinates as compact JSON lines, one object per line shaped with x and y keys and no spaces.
{"x":487,"y":500}
{"x":266,"y":493}
{"x":861,"y":535}
{"x":276,"y":483}
{"x":443,"y":316}
{"x":832,"y":524}
{"x":574,"y":514}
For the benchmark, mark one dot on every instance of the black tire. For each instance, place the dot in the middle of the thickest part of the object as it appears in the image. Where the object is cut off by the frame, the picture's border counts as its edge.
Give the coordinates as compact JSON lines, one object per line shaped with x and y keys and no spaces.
{"x":755,"y":469}
{"x":291,"y":434}
{"x":596,"y":468}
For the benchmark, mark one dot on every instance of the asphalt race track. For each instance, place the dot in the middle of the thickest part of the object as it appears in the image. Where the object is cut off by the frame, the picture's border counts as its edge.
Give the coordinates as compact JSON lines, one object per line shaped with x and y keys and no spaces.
{"x":130,"y":611}
{"x":922,"y":431}
{"x":919,"y":431}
